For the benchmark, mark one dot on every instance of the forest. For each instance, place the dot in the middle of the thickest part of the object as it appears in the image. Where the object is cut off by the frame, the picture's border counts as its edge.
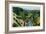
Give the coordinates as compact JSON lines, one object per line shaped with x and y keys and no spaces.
{"x":22,"y":17}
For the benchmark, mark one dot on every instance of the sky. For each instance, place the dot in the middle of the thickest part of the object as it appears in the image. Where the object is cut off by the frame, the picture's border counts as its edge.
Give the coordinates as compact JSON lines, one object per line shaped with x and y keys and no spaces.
{"x":30,"y":7}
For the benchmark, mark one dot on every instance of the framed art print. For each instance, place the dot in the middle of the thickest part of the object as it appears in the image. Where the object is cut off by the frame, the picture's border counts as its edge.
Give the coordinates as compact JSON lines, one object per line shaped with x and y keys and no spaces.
{"x":25,"y":16}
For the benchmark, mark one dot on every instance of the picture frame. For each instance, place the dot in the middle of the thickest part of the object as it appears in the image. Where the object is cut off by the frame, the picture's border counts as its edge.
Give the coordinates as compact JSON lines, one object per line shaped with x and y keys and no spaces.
{"x":8,"y":16}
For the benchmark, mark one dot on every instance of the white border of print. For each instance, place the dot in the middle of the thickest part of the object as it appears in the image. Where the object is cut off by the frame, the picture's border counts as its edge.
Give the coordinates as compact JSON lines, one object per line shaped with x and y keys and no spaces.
{"x":24,"y":28}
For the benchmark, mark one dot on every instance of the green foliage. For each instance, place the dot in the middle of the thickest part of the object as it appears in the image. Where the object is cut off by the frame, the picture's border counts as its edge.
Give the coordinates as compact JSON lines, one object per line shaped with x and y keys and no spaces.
{"x":17,"y":10}
{"x":26,"y":15}
{"x":17,"y":22}
{"x":15,"y":25}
